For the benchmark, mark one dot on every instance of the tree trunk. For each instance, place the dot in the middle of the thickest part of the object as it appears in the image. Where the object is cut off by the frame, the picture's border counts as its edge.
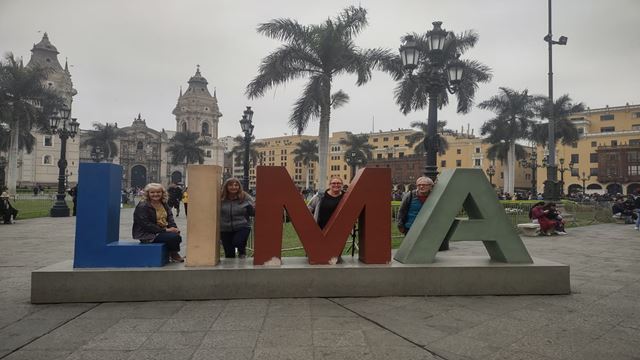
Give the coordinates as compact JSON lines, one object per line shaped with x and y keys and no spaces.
{"x":511,"y":160}
{"x":323,"y":134}
{"x":186,"y":184}
{"x":308,"y":175}
{"x":12,"y":177}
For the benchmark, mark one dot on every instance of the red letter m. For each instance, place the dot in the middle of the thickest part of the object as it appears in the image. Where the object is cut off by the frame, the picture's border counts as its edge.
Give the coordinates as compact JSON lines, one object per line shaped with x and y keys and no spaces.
{"x":368,"y":200}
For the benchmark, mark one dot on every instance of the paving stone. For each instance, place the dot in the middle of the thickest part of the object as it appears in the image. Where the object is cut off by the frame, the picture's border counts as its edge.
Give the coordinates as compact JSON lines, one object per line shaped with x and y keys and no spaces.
{"x":344,"y":353}
{"x":24,"y":354}
{"x":401,"y":352}
{"x":229,"y":338}
{"x":339,"y":338}
{"x":464,"y":346}
{"x":289,"y":338}
{"x":287,"y":323}
{"x":135,"y":326}
{"x":117,"y":341}
{"x":231,"y":323}
{"x":173,"y":340}
{"x":61,"y":340}
{"x":100,"y":355}
{"x":284,"y":353}
{"x":165,"y":354}
{"x":188,"y":324}
{"x":22,"y":332}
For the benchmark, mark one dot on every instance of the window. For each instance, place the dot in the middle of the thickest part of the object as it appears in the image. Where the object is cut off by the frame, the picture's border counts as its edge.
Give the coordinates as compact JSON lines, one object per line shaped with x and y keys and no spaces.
{"x":477,"y":162}
{"x":396,"y":138}
{"x":593,"y":171}
{"x":458,"y":151}
{"x":593,"y":157}
{"x":47,"y":160}
{"x":139,"y":146}
{"x":48,"y":140}
{"x":594,"y":144}
{"x":574,"y":145}
{"x":607,"y":117}
{"x":575,"y":172}
{"x":580,"y":130}
{"x":633,"y":170}
{"x":633,"y":156}
{"x":636,"y":115}
{"x":390,"y":156}
{"x":375,"y":139}
{"x":344,"y":168}
{"x":635,"y":127}
{"x":205,"y":129}
{"x":501,"y":175}
{"x":184,"y":127}
{"x":458,"y":163}
{"x":443,"y":163}
{"x":634,"y":142}
{"x":608,"y":129}
{"x":400,"y":154}
{"x":614,"y":142}
{"x":385,"y":139}
{"x":575,"y":158}
{"x":379,"y":156}
{"x":527,"y":176}
{"x":477,"y":150}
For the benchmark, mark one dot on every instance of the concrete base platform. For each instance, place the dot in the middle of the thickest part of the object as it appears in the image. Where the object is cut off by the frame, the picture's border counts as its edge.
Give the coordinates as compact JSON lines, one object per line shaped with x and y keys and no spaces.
{"x":237,"y":279}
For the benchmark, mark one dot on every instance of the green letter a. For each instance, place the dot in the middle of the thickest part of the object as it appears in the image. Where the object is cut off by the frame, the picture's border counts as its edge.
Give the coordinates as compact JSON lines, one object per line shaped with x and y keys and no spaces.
{"x":437,"y":221}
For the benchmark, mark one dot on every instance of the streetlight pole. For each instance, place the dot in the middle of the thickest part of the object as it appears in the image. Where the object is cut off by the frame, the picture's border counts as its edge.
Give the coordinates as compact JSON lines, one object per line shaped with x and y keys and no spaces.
{"x":491,"y":171}
{"x":551,"y":191}
{"x":437,"y":82}
{"x":562,"y":169}
{"x":60,"y":124}
{"x":532,"y":163}
{"x":247,"y":128}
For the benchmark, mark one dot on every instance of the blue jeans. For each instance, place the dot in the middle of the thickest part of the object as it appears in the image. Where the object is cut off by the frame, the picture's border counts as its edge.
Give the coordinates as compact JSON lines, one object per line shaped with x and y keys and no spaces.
{"x":171,"y":240}
{"x":235,"y":239}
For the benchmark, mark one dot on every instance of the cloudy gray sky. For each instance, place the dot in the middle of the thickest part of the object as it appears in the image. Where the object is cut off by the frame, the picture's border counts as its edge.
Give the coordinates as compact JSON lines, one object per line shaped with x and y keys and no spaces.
{"x":132,"y":56}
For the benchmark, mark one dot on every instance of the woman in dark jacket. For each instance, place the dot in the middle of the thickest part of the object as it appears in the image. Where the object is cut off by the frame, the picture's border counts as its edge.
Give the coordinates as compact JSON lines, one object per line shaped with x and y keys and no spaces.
{"x":153,"y":221}
{"x":235,"y":209}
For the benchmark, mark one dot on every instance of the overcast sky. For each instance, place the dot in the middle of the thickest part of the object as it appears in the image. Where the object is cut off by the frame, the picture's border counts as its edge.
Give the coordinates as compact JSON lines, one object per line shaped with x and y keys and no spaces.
{"x":129,"y":57}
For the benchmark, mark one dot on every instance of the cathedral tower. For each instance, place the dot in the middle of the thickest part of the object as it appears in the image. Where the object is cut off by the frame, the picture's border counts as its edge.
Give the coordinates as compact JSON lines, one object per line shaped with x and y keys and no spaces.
{"x":197,"y":111}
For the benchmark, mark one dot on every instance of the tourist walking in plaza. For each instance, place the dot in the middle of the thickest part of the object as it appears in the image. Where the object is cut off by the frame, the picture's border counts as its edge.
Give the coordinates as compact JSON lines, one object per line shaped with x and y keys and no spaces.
{"x":185,"y":200}
{"x":153,"y":221}
{"x":322,"y":205}
{"x":236,"y":208}
{"x":175,"y":196}
{"x":412,"y":202}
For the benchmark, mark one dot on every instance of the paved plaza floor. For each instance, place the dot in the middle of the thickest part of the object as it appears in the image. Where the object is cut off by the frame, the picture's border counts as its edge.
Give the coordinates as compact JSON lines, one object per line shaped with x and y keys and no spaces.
{"x":599,"y":320}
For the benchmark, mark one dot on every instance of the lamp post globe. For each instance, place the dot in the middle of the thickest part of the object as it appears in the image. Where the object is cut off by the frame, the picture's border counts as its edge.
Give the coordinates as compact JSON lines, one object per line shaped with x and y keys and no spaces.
{"x":65,"y":129}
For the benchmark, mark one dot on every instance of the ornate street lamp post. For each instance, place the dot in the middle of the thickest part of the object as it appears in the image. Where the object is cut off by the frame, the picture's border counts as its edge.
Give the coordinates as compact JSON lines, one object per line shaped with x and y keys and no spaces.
{"x":60,"y":124}
{"x":97,"y":154}
{"x":491,"y":171}
{"x":247,"y":128}
{"x":584,"y":178}
{"x":443,"y":75}
{"x":562,"y":169}
{"x":551,"y":191}
{"x":532,"y":163}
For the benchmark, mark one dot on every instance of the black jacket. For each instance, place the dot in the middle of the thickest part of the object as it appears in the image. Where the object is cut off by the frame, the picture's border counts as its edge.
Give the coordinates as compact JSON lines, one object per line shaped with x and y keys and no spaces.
{"x":145,"y":223}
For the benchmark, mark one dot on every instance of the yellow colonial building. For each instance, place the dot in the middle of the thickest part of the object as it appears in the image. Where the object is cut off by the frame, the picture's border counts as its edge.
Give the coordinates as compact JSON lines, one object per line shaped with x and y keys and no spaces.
{"x":607,"y":155}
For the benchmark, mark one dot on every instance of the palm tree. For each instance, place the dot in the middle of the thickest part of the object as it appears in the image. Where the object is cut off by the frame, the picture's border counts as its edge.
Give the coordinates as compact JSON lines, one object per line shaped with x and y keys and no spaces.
{"x":565,"y":130}
{"x":514,"y":118}
{"x":238,"y":150}
{"x":306,"y":153}
{"x":25,"y":104}
{"x":186,"y":147}
{"x":358,"y":147}
{"x":104,"y":137}
{"x":320,"y":53}
{"x":417,"y":139}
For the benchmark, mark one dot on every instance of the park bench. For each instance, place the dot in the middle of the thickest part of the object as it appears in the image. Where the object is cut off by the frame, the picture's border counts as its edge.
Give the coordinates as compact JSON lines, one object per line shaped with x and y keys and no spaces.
{"x":529,"y":229}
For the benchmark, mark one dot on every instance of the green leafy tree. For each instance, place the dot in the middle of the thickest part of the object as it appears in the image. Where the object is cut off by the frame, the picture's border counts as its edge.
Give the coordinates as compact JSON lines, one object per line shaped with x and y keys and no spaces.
{"x":515,"y":111}
{"x":417,"y":139}
{"x":25,"y":105}
{"x":104,"y":136}
{"x":186,"y":148}
{"x":306,"y":152}
{"x":565,"y":130}
{"x":357,"y":147}
{"x":319,"y":53}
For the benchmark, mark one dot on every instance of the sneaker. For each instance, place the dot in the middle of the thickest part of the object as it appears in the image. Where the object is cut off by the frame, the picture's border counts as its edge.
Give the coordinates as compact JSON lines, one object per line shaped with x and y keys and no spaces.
{"x":561,"y":233}
{"x":635,"y":228}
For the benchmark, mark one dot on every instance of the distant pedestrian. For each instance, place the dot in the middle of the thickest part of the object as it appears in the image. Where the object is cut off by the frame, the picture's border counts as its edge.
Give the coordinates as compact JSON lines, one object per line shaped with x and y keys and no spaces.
{"x":73,"y":192}
{"x":175,"y":196}
{"x":185,"y":200}
{"x":6,"y":210}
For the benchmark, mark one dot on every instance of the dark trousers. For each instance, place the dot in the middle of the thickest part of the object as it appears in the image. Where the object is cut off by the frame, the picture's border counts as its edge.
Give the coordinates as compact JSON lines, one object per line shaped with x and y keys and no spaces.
{"x":235,"y":239}
{"x":186,"y":205}
{"x":171,"y":240}
{"x":7,"y":214}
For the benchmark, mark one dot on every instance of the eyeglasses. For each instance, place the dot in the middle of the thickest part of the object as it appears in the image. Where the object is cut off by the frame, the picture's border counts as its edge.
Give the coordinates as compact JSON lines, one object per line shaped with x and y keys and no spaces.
{"x":424,"y":185}
{"x":336,"y":183}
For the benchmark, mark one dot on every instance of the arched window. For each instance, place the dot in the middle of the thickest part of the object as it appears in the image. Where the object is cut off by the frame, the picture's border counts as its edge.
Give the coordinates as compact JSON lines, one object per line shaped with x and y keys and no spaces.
{"x":139,"y":146}
{"x":184,"y":127}
{"x":205,"y":129}
{"x":46,"y":160}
